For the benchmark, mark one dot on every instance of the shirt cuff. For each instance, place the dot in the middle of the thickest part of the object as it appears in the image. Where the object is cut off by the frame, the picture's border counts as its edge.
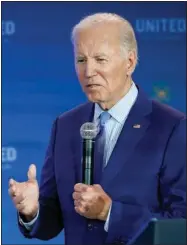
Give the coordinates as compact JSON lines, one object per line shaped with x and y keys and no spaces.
{"x":107,"y":220}
{"x":29,"y":225}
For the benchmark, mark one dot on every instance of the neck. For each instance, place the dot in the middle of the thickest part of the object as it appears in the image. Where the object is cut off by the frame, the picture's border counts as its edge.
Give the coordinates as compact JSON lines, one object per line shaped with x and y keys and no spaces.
{"x":107,"y":105}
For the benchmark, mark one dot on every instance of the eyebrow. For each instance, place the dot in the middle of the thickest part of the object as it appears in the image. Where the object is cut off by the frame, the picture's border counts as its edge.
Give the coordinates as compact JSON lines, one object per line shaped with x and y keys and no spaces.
{"x":95,"y":55}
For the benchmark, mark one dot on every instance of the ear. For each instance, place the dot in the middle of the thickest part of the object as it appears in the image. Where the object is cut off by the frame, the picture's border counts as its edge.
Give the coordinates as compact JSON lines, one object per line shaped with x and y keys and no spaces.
{"x":131,"y":62}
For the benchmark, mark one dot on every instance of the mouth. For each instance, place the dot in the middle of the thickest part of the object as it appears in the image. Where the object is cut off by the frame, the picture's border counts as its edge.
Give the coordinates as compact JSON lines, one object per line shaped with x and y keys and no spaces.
{"x":92,"y":85}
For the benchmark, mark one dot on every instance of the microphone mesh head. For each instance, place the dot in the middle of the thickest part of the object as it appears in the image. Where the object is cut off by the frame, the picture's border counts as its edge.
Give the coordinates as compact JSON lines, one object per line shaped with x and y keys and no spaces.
{"x":88,"y":130}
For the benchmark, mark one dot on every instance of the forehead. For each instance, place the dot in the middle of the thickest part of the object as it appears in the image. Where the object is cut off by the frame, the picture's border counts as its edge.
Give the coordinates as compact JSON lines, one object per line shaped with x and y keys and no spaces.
{"x":97,"y":38}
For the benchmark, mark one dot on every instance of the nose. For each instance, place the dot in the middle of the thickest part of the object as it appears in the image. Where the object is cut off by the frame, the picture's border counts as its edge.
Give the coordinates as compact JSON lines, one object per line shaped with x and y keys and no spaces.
{"x":90,"y":70}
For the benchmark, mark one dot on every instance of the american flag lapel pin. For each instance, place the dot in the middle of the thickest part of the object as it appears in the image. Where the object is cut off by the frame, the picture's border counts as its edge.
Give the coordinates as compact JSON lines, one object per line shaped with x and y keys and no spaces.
{"x":136,"y":126}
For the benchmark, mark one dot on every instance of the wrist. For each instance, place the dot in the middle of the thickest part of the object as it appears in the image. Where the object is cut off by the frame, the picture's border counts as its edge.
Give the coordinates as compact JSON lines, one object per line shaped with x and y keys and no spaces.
{"x":29,"y":217}
{"x":104,"y":214}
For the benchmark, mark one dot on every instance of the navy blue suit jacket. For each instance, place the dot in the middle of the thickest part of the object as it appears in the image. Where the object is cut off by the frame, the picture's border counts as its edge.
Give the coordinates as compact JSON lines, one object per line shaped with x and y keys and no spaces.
{"x":145,"y":175}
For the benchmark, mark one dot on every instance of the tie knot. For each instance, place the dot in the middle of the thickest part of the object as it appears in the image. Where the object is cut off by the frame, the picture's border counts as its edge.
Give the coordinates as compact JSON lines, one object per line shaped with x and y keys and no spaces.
{"x":104,"y":117}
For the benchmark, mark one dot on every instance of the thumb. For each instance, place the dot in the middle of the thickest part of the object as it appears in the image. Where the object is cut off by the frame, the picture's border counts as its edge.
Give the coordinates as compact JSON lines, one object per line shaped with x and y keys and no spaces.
{"x":31,"y":172}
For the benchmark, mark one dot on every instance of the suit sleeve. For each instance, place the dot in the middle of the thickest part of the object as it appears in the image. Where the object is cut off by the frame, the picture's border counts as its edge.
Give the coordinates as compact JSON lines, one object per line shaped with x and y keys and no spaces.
{"x":49,"y":222}
{"x":127,"y":221}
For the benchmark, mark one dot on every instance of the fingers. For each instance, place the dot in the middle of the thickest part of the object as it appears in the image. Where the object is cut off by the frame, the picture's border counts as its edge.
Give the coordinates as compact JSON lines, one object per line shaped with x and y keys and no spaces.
{"x":81,"y":207}
{"x":81,"y":204}
{"x":82,"y":198}
{"x":18,"y":199}
{"x":79,"y":196}
{"x":81,"y":187}
{"x":81,"y":210}
{"x":90,"y":201}
{"x":12,"y":182}
{"x":77,"y":203}
{"x":16,"y":195}
{"x":84,"y":192}
{"x":76,"y":195}
{"x":12,"y":191}
{"x":13,"y":187}
{"x":31,"y":172}
{"x":84,"y":195}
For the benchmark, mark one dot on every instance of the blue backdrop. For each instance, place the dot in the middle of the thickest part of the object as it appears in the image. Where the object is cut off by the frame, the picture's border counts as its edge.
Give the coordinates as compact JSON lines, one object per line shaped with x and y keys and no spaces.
{"x":39,"y":81}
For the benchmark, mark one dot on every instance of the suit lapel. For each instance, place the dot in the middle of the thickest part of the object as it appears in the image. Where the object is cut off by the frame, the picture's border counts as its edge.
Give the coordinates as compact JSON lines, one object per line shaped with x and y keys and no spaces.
{"x":133,"y":130}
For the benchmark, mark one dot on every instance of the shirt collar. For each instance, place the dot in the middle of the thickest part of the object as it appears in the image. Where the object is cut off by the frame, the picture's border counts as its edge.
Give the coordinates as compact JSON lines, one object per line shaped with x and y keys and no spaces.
{"x":122,"y":108}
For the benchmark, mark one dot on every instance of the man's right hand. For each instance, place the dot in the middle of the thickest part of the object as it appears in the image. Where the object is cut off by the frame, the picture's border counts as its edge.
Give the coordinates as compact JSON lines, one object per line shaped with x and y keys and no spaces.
{"x":25,"y":195}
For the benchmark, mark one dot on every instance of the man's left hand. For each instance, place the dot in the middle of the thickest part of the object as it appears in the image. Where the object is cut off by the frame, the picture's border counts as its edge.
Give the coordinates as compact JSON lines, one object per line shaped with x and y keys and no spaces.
{"x":91,"y":201}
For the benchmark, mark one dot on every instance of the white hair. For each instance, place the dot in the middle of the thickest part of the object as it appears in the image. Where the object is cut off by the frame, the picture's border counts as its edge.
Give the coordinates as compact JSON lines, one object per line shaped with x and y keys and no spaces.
{"x":128,"y":38}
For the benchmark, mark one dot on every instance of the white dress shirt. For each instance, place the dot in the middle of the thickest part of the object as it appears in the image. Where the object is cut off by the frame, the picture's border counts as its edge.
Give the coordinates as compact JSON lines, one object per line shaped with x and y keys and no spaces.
{"x":119,"y":113}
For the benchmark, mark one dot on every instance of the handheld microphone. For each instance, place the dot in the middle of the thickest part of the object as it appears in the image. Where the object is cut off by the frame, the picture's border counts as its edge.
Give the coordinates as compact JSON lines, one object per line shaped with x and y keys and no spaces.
{"x":88,"y":133}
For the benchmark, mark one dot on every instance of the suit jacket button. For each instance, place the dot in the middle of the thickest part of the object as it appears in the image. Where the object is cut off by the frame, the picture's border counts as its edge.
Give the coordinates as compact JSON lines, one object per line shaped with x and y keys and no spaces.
{"x":90,"y":227}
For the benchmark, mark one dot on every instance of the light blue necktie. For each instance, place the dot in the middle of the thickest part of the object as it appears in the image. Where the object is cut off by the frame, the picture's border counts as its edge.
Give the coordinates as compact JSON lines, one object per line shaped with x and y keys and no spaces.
{"x":99,"y":155}
{"x":104,"y":117}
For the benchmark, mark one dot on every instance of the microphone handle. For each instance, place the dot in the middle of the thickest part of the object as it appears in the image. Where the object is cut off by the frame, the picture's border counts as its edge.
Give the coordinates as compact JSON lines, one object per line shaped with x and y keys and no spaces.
{"x":88,"y":161}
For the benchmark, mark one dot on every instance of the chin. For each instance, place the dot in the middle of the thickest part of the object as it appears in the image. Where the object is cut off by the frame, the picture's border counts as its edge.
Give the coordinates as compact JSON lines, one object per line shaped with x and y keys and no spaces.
{"x":94,"y":97}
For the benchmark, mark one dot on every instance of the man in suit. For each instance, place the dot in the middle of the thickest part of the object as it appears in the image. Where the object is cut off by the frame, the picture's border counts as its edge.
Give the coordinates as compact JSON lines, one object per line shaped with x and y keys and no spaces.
{"x":142,"y":174}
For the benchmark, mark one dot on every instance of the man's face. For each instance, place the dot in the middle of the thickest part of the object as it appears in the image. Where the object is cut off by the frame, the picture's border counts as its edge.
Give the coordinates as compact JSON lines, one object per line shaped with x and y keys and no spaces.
{"x":100,"y":65}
